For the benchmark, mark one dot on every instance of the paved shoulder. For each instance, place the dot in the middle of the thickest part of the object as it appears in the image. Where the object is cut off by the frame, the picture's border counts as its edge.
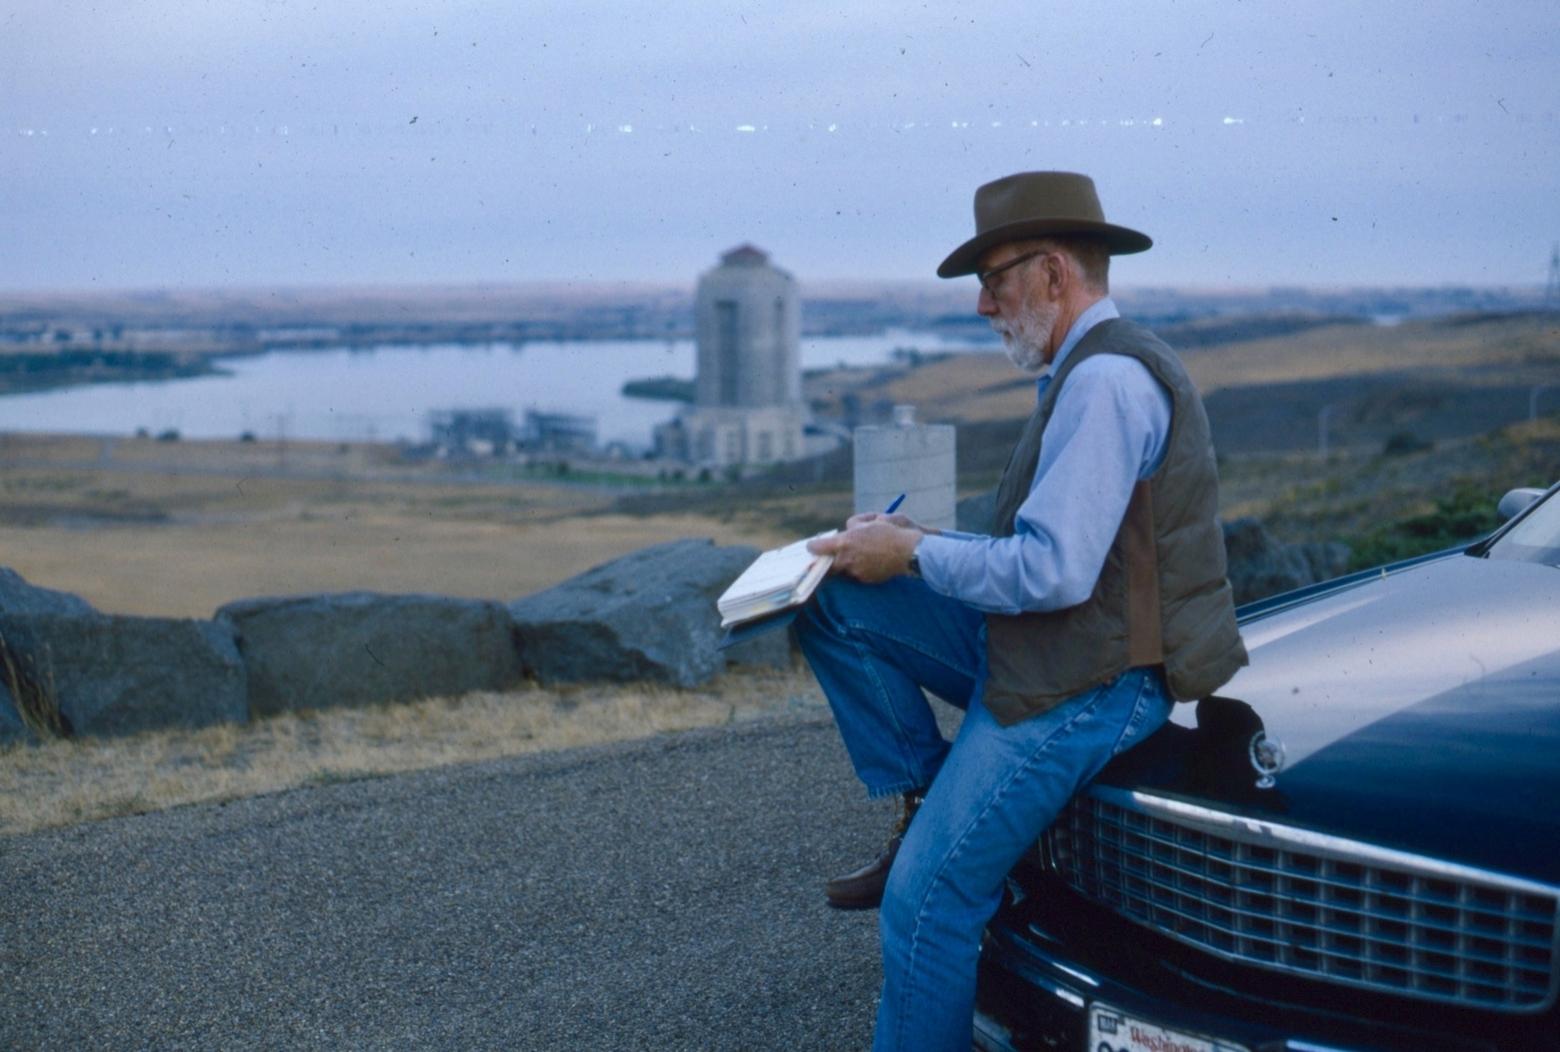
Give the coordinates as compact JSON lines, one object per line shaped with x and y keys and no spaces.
{"x":662,"y":894}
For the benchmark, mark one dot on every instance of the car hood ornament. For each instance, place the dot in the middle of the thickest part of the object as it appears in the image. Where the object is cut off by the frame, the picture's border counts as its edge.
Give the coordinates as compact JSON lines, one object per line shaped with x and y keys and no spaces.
{"x":1267,"y":758}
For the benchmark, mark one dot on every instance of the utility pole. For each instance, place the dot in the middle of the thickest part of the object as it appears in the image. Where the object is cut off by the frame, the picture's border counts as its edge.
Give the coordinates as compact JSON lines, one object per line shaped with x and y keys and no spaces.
{"x":281,"y":442}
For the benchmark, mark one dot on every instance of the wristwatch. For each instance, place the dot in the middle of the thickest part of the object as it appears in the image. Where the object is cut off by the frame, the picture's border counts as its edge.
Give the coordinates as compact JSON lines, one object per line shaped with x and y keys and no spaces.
{"x":915,"y":564}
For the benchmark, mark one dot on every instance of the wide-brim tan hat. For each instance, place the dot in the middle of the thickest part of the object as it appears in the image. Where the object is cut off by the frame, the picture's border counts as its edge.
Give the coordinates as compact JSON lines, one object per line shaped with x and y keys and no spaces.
{"x":1038,"y":204}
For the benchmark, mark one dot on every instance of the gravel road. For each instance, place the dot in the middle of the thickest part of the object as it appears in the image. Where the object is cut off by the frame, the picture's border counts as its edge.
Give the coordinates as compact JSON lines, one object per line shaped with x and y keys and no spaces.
{"x":663,"y":894}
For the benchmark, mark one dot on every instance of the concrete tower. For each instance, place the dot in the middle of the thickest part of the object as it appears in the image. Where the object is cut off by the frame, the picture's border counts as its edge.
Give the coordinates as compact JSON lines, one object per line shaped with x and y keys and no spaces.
{"x":749,"y":333}
{"x":748,"y":406}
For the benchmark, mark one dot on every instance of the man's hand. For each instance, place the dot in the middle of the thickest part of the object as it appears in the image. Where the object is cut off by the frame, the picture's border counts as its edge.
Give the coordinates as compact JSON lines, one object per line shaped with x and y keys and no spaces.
{"x":872,"y":548}
{"x":898,"y":518}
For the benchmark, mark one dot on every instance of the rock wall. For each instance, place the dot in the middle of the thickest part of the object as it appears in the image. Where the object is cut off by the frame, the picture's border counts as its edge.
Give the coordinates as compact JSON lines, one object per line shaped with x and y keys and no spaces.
{"x":649,"y":616}
{"x":106,"y":675}
{"x":120,"y":675}
{"x":359,"y":648}
{"x":1260,"y":566}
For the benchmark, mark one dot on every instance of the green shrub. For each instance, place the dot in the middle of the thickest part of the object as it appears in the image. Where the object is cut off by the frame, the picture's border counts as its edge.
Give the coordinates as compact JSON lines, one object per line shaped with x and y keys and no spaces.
{"x":1465,"y":516}
{"x":1401,"y":443}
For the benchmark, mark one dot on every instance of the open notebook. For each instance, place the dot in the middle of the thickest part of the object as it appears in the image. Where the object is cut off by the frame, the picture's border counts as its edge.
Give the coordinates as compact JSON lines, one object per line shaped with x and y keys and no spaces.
{"x":779,"y":578}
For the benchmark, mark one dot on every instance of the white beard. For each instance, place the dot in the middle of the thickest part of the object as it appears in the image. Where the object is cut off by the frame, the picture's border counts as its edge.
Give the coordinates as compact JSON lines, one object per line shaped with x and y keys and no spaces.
{"x":1026,"y":335}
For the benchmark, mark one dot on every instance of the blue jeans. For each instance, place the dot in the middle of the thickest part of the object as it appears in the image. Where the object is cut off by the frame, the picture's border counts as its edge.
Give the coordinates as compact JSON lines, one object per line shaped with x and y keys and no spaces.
{"x":875,"y":649}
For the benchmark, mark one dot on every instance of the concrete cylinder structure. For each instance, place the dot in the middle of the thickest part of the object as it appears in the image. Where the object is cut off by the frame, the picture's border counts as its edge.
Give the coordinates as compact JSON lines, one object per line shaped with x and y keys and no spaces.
{"x":748,"y":316}
{"x":917,"y":460}
{"x":748,"y":407}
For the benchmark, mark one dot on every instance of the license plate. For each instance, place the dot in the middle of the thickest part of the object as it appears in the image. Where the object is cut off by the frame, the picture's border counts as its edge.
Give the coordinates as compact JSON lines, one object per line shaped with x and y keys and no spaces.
{"x":1111,"y":1030}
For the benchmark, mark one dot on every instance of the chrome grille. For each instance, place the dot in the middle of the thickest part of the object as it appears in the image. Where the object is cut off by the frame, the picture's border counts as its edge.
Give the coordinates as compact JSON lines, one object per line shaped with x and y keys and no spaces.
{"x":1298,"y":902}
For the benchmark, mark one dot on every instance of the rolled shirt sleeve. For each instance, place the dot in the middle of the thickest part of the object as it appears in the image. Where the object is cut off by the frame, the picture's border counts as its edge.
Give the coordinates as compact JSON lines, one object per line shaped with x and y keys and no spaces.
{"x":1108,"y":429}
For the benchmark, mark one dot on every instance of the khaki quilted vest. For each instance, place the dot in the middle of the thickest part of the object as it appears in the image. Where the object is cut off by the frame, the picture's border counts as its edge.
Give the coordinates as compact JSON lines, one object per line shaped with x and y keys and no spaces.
{"x":1162,"y":597}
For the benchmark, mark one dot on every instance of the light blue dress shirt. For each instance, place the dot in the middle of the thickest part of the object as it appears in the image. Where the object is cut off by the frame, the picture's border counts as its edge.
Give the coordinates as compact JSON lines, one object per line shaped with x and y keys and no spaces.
{"x":1108,"y":429}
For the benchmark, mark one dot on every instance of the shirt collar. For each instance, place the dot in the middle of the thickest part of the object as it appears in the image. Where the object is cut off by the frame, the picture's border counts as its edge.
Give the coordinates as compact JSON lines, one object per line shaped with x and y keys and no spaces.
{"x":1102,"y":309}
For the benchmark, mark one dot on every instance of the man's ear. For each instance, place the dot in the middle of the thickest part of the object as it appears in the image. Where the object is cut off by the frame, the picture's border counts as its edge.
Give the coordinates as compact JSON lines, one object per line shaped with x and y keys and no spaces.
{"x":1057,"y":274}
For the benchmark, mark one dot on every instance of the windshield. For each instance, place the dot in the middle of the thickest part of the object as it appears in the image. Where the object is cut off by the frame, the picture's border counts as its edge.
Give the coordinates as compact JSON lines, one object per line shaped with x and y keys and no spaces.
{"x":1535,"y":539}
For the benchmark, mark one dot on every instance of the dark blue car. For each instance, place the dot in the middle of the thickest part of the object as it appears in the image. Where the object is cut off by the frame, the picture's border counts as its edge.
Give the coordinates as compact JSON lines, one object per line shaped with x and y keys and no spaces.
{"x":1356,"y":846}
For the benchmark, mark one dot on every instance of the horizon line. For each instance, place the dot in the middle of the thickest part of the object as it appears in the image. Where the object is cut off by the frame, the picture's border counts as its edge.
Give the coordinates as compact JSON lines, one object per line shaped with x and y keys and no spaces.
{"x":650,"y":286}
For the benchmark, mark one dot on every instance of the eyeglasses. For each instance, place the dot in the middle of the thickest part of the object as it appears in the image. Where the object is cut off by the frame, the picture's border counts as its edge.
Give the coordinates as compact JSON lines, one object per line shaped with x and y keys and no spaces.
{"x":985,"y":276}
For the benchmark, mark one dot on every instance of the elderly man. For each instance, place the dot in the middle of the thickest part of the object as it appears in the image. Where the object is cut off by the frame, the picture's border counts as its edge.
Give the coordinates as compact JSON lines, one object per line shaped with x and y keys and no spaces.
{"x":1099,"y":600}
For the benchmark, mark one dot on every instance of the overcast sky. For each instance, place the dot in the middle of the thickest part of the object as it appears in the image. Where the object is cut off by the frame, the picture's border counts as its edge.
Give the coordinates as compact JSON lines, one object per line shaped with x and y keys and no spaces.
{"x":189,"y":143}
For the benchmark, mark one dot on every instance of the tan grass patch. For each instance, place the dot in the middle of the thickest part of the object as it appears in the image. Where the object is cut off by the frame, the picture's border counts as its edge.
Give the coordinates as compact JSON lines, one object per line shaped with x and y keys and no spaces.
{"x":64,"y":782}
{"x":983,"y":385}
{"x":189,"y":571}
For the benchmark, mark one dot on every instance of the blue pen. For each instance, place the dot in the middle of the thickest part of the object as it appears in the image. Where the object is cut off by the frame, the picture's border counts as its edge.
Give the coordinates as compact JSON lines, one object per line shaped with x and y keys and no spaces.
{"x":895,"y":505}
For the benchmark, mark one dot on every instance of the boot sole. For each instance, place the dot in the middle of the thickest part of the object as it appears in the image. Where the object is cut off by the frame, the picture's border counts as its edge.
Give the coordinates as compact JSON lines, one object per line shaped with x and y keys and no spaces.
{"x":854,"y":904}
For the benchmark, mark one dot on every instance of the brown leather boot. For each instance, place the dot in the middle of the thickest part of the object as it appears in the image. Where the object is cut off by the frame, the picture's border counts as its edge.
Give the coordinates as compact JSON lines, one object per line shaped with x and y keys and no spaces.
{"x":862,"y":889}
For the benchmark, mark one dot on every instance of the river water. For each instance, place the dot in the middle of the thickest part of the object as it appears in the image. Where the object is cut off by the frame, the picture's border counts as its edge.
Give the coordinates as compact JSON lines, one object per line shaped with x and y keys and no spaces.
{"x":386,"y":393}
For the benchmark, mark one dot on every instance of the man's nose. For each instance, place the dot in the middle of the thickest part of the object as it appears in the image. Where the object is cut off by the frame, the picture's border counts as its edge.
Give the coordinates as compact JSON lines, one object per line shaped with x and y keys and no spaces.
{"x":986,"y":305}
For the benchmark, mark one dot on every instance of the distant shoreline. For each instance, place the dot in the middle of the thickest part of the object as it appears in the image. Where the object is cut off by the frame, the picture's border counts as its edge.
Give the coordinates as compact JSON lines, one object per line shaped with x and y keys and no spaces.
{"x":26,"y":372}
{"x":113,"y":354}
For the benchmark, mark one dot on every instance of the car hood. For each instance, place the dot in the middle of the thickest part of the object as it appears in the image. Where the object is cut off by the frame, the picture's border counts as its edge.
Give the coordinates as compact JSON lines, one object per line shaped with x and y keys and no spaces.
{"x":1418,"y":710}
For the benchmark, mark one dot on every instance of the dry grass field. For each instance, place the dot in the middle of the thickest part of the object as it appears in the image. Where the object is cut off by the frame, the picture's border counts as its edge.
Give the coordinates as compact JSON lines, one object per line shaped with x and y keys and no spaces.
{"x":981,"y":387}
{"x":178,"y":529}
